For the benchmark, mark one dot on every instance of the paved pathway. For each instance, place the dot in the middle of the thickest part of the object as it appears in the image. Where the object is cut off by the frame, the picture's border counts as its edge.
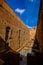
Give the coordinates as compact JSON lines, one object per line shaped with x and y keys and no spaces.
{"x":23,"y":54}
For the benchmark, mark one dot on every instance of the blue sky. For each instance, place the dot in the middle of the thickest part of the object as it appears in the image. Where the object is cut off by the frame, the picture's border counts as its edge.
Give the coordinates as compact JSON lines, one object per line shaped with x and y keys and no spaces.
{"x":27,"y":10}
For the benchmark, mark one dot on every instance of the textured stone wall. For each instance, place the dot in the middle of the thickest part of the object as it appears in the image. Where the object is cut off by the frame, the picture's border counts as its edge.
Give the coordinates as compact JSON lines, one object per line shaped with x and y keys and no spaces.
{"x":39,"y":33}
{"x":16,"y":38}
{"x":1,"y":2}
{"x":19,"y":37}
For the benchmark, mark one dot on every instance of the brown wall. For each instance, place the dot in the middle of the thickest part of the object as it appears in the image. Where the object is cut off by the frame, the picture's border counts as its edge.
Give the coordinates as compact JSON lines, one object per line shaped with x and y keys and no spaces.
{"x":40,"y":27}
{"x":17,"y":40}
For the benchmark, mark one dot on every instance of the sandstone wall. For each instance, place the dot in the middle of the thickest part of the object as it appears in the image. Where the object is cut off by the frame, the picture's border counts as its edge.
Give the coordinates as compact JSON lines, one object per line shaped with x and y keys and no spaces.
{"x":19,"y":33}
{"x":39,"y":33}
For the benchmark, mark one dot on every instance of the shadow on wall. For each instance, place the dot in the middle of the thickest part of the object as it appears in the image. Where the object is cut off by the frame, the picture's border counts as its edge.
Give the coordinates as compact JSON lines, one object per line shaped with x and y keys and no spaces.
{"x":39,"y":32}
{"x":2,"y":43}
{"x":8,"y":55}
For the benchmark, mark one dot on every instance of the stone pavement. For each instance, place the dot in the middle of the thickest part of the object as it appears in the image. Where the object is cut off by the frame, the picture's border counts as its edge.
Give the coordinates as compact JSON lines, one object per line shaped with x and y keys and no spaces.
{"x":23,"y":54}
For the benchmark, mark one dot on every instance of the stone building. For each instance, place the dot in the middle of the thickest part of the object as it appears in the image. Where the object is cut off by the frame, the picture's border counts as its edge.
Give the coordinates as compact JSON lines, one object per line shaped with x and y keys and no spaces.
{"x":39,"y":33}
{"x":12,"y":30}
{"x":19,"y":34}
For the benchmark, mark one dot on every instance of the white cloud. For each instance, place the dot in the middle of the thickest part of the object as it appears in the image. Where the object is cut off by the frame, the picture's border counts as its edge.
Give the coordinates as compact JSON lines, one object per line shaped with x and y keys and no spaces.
{"x":21,"y":11}
{"x":30,"y":27}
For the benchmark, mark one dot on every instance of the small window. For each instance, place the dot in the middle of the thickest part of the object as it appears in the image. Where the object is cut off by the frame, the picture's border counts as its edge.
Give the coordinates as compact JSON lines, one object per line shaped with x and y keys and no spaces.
{"x":7,"y":32}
